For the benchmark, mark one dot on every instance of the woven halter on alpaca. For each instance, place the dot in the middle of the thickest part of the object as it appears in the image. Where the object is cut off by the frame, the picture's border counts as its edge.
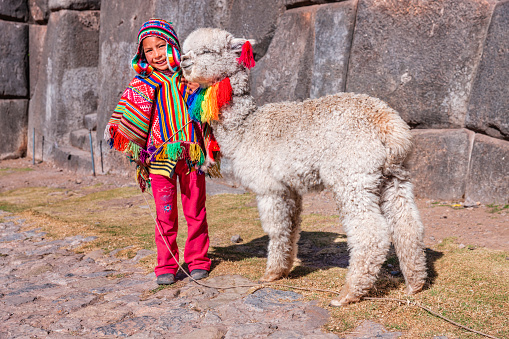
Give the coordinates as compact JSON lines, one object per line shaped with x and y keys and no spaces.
{"x":205,"y":103}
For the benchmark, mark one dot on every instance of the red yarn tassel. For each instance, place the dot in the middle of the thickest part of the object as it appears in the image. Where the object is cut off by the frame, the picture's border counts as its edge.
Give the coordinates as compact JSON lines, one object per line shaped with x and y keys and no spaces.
{"x":142,"y":183}
{"x":246,"y":57}
{"x":224,"y":93}
{"x":120,"y":142}
{"x":213,"y":147}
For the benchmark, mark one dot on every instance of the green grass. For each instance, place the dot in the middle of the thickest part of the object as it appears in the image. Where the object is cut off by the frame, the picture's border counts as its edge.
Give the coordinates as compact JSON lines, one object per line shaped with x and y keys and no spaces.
{"x":7,"y":171}
{"x":493,"y":208}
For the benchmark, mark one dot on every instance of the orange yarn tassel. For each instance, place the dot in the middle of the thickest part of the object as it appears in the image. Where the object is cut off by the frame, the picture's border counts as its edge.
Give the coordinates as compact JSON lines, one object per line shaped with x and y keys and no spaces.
{"x":209,"y":105}
{"x":214,"y":108}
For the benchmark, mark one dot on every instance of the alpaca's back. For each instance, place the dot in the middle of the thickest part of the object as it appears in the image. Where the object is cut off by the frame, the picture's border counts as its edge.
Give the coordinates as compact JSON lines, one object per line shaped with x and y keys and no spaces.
{"x":347,"y":130}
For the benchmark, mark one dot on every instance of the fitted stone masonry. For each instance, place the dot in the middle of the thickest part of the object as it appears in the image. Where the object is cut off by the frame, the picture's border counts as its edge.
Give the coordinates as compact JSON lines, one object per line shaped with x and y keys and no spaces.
{"x":443,"y":65}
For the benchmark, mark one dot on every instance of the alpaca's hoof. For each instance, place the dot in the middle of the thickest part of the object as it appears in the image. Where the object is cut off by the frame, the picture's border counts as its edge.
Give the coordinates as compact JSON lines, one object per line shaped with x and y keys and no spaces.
{"x":414,"y":289}
{"x":269,"y":277}
{"x":338,"y":302}
{"x":345,"y":297}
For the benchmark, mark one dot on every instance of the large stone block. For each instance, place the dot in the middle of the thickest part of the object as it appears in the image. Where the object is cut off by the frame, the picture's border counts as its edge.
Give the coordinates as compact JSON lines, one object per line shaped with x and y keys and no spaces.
{"x":439,"y":163}
{"x":199,"y":13}
{"x":74,"y":159}
{"x":13,"y":59}
{"x":80,"y":5}
{"x":66,"y":88}
{"x":37,"y":36}
{"x":285,"y":72}
{"x":308,"y":54}
{"x":14,"y":9}
{"x":81,"y":139}
{"x":489,"y":102}
{"x":243,"y":18}
{"x":39,"y":11}
{"x":334,"y":26}
{"x":488,"y":177}
{"x":255,"y":20}
{"x":13,"y":128}
{"x":419,"y":56}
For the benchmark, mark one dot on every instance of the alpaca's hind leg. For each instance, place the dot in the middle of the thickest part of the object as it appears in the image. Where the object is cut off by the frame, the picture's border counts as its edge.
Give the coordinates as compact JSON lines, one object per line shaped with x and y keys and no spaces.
{"x":406,"y":229}
{"x":280,"y":217}
{"x":368,"y":239}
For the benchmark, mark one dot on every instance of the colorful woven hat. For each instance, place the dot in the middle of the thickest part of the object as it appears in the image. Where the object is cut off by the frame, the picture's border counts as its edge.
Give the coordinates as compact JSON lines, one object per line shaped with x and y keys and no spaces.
{"x":164,"y":30}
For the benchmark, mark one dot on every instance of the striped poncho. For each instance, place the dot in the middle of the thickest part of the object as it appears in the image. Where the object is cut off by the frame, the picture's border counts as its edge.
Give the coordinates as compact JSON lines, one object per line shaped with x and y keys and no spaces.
{"x":151,"y":121}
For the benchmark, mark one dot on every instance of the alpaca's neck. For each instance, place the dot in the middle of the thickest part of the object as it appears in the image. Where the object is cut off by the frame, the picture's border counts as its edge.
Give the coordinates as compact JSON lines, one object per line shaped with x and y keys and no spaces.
{"x":240,"y":83}
{"x":230,"y":128}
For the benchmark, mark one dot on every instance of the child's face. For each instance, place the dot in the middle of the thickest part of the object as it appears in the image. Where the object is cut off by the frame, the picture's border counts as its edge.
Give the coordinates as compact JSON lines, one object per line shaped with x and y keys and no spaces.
{"x":155,"y":52}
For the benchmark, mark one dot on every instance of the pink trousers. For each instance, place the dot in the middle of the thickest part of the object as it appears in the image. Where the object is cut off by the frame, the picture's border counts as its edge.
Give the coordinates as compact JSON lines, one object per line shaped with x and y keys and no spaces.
{"x":192,"y":189}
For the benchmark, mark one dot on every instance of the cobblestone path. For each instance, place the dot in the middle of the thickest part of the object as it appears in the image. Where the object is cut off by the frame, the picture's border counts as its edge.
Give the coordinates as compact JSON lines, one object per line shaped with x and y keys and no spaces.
{"x":49,"y":291}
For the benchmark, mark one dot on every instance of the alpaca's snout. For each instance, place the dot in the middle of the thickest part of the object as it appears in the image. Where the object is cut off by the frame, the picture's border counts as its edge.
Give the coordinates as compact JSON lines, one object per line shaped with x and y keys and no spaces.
{"x":185,"y":61}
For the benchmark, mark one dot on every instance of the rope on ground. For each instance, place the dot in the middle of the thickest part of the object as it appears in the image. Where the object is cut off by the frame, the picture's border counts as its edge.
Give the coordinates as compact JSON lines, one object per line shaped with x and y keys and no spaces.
{"x":408,"y":302}
{"x":262,"y":285}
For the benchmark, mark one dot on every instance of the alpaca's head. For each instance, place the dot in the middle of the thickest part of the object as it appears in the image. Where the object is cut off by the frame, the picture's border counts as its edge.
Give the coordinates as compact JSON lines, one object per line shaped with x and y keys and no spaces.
{"x":210,"y":55}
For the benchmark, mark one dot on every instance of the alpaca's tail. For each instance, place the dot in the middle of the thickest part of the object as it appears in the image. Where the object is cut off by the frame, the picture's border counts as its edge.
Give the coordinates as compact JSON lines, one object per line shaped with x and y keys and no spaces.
{"x":396,"y":137}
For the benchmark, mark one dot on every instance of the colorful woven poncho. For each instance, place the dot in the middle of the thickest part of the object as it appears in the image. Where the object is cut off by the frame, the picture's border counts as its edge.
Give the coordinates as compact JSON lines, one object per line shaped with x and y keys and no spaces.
{"x":151,"y":120}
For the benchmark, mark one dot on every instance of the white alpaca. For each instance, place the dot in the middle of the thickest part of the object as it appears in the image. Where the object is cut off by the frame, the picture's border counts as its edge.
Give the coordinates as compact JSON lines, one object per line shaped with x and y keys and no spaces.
{"x":351,"y":144}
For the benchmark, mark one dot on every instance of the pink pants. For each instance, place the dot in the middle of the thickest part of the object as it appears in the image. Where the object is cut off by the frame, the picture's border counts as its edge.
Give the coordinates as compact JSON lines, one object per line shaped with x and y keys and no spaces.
{"x":192,"y":188}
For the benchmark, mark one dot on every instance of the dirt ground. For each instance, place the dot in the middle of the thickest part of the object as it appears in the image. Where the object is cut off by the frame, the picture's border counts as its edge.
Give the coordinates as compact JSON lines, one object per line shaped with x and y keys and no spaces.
{"x":478,"y":226}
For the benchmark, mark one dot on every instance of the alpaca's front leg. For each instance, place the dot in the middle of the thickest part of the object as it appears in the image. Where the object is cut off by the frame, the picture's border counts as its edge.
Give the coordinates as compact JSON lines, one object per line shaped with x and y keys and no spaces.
{"x":280,"y":217}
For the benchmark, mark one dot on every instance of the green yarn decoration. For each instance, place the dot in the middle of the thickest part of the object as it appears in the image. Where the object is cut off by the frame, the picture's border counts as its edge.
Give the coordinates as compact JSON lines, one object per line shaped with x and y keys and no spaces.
{"x":195,"y":110}
{"x":135,"y":150}
{"x":174,"y":150}
{"x":202,"y":158}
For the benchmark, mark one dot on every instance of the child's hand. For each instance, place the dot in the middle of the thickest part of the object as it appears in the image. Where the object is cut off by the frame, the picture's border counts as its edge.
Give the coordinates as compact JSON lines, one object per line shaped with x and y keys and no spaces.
{"x":208,"y":163}
{"x":146,"y":163}
{"x":191,"y":86}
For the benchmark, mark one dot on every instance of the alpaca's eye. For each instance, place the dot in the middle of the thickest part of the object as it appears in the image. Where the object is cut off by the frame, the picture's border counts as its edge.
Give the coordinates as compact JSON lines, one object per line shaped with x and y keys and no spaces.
{"x":206,"y":51}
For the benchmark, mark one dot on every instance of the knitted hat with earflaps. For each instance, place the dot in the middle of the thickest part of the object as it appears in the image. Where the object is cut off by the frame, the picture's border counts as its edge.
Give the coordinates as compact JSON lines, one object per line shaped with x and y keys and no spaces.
{"x":161,"y":29}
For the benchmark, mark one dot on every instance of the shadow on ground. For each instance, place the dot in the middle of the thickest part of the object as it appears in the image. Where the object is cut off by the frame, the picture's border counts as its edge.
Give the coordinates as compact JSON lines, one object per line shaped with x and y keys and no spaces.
{"x":317,"y":251}
{"x":323,"y":251}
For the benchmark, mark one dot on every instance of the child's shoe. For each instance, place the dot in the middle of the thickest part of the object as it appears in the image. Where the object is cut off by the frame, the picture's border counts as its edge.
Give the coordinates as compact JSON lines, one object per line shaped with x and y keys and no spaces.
{"x":166,"y":279}
{"x":199,"y":274}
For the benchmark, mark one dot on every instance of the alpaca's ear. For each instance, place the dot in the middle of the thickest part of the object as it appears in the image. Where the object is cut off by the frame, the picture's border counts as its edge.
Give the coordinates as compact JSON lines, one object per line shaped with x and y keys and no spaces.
{"x":237,"y":43}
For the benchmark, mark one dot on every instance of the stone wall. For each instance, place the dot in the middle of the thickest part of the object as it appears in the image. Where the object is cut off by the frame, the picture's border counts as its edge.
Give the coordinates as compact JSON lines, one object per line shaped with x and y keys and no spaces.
{"x":444,"y":65}
{"x":64,"y":90}
{"x":14,"y":83}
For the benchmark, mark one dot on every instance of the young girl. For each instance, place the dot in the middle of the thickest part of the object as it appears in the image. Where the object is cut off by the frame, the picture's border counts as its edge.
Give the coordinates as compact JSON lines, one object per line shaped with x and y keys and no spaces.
{"x":152,"y":126}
